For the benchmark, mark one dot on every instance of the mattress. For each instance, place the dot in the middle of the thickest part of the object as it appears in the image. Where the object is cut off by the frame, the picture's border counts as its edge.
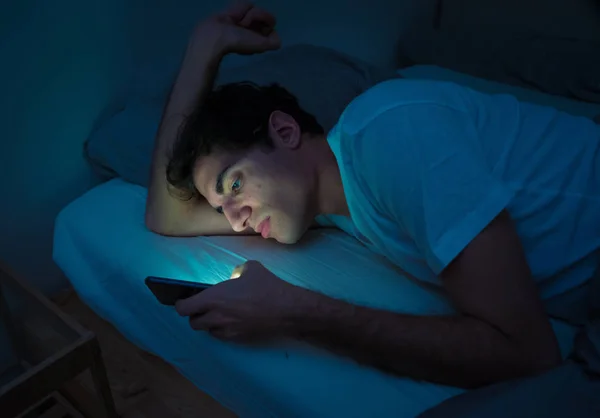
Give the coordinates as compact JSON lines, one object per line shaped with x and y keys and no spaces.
{"x":103,"y":247}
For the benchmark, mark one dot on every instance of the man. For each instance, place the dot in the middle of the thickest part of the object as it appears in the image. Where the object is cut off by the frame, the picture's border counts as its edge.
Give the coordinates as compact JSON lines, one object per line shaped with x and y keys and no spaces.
{"x":480,"y":194}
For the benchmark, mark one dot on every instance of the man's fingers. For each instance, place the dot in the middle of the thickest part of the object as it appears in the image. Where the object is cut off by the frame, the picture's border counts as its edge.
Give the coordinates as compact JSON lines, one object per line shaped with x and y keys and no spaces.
{"x":200,"y":323}
{"x":217,"y":325}
{"x":225,"y":334}
{"x":258,"y":20}
{"x":273,"y":41}
{"x":208,"y":321}
{"x":194,"y":305}
{"x":238,"y":10}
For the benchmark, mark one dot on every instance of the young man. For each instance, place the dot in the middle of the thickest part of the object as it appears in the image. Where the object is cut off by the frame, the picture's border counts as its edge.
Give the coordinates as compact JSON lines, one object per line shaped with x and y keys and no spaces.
{"x":482,"y":195}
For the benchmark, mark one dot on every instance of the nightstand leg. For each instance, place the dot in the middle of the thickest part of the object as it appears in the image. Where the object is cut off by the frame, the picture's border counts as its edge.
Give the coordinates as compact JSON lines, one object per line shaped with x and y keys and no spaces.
{"x":98,"y":372}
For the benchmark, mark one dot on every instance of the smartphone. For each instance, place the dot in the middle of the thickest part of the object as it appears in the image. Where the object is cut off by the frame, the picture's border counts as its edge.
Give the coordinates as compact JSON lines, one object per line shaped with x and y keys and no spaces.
{"x":169,"y":291}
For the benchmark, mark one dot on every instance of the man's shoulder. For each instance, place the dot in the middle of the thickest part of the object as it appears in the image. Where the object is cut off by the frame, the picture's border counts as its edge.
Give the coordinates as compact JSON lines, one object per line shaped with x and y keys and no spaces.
{"x":397,"y":93}
{"x":375,"y":134}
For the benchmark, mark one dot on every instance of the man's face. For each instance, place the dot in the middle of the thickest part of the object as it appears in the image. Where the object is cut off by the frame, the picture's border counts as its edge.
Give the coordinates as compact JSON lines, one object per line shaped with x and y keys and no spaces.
{"x":266,"y":190}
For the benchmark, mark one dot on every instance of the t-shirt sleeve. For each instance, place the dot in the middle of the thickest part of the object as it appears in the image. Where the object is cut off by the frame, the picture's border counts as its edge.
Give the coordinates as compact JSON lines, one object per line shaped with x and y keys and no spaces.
{"x":424,"y":166}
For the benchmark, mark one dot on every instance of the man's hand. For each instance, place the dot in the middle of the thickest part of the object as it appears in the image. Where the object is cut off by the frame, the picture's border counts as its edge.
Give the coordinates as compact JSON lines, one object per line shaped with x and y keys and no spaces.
{"x":242,"y":29}
{"x":252,"y":306}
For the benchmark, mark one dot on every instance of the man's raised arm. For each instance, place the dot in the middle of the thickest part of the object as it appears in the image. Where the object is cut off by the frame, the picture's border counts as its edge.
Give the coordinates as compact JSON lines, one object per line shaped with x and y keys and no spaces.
{"x":212,"y":39}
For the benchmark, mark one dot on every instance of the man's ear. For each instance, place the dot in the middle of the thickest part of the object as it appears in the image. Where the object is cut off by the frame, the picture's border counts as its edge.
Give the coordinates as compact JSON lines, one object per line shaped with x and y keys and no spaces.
{"x":284,"y":130}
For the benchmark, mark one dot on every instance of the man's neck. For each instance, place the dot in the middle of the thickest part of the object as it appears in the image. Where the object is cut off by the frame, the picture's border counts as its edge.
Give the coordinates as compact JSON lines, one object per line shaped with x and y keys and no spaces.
{"x":329,"y":189}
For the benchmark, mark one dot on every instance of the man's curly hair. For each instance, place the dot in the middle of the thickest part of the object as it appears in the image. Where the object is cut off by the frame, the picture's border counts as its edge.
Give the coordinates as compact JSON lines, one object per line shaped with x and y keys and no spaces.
{"x":233,"y":117}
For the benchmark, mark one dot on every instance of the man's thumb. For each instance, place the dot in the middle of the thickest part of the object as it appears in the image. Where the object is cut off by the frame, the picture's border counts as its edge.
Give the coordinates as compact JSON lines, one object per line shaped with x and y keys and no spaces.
{"x":272,"y":41}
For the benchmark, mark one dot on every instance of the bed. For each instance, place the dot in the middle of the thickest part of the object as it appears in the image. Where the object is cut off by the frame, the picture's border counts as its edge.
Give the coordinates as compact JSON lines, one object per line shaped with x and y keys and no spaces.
{"x":103,"y":247}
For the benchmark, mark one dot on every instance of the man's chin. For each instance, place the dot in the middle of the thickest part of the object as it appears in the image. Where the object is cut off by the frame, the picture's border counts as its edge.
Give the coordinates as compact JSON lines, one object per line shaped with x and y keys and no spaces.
{"x":285,"y":241}
{"x":290,"y":239}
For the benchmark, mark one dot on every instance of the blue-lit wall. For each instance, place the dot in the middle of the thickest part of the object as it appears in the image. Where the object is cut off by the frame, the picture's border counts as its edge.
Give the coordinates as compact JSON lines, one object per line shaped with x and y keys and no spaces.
{"x":66,"y":63}
{"x":62,"y":63}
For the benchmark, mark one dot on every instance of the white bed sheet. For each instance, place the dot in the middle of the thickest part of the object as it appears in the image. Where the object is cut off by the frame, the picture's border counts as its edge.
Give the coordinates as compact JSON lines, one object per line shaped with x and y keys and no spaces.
{"x":103,"y":247}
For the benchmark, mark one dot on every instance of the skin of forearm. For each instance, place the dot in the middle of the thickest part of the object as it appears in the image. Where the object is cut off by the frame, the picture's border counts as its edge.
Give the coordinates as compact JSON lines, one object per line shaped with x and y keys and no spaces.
{"x":452,"y":350}
{"x":194,"y":81}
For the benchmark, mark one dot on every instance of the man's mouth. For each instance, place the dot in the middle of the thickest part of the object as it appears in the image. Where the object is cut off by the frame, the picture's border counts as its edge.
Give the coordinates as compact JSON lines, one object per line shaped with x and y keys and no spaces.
{"x":264,"y":228}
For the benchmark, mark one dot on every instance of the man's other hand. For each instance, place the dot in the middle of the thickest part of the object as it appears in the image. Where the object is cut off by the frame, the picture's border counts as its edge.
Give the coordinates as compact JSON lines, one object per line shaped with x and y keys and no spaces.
{"x":242,"y":29}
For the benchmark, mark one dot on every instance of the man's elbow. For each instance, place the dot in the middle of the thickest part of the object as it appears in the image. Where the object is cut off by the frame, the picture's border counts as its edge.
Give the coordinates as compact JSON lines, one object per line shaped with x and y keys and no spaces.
{"x":536,"y":357}
{"x":519,"y":363}
{"x":156,"y":225}
{"x":519,"y":359}
{"x":545,"y":358}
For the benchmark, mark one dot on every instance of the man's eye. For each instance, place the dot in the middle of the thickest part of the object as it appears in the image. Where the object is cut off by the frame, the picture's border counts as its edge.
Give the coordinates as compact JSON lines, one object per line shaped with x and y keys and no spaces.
{"x":235,"y":186}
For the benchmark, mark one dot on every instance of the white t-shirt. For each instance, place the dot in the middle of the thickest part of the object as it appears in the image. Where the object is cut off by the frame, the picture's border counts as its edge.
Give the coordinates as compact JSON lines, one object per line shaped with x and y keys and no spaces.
{"x":427,"y":165}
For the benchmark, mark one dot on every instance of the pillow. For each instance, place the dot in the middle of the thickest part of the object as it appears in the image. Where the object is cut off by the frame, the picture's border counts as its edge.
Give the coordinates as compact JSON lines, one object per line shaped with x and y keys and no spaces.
{"x":432,"y":72}
{"x":324,"y":82}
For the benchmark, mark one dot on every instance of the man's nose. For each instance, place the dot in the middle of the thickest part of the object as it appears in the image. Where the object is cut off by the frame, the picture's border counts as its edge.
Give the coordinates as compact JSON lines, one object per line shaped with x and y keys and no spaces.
{"x":237,"y":216}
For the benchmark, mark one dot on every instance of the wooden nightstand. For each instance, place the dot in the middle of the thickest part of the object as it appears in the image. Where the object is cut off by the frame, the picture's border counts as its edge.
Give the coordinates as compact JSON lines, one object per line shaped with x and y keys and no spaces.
{"x":44,"y":350}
